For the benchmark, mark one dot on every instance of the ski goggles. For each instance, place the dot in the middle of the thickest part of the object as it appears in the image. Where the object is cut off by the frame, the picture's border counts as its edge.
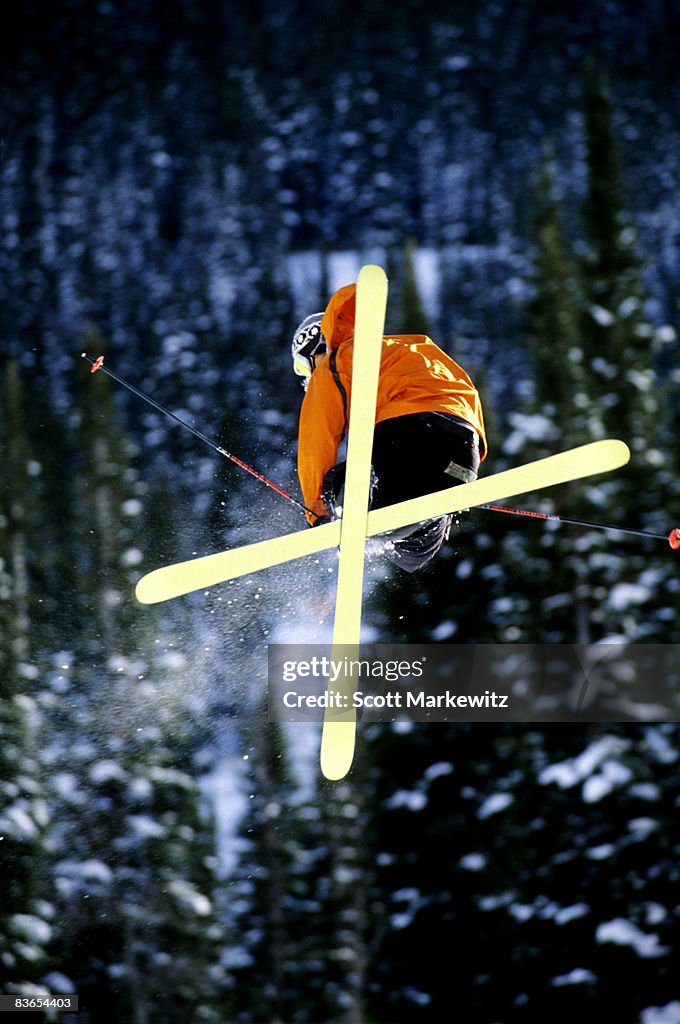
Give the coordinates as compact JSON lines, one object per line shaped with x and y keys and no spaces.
{"x":311,"y":343}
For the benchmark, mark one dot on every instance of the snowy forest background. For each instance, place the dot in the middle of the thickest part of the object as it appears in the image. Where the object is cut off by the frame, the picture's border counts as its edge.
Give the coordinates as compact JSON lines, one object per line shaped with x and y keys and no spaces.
{"x":181,"y":183}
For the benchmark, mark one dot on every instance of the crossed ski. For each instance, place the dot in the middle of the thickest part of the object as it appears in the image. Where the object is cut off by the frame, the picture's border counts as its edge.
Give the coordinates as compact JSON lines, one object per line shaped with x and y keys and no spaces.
{"x":207,"y":571}
{"x":350,"y":533}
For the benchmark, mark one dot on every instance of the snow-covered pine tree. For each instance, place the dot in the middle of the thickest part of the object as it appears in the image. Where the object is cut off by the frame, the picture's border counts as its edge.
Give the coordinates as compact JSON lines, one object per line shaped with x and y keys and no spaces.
{"x":333,"y":877}
{"x":617,"y":338}
{"x":622,"y":350}
{"x":589,"y":822}
{"x":136,"y":867}
{"x":541,"y":597}
{"x":25,"y":913}
{"x":263,"y":904}
{"x":549,"y":847}
{"x":593,"y":355}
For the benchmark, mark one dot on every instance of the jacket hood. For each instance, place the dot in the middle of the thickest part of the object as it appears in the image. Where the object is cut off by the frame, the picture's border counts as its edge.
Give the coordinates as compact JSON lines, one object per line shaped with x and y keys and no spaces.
{"x":337,"y":324}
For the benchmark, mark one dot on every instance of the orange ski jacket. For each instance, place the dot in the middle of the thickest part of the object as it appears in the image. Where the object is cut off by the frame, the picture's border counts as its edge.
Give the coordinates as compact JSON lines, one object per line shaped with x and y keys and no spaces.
{"x":415,"y":376}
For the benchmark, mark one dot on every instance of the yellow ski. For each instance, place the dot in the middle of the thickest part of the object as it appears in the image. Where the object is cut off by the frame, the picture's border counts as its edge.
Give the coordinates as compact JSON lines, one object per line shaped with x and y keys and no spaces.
{"x":209,"y":570}
{"x":339,"y":734}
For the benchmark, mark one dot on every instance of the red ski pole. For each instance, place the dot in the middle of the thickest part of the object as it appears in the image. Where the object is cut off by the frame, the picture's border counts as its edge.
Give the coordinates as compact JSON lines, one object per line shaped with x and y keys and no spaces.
{"x":672,"y":538}
{"x":98,"y":364}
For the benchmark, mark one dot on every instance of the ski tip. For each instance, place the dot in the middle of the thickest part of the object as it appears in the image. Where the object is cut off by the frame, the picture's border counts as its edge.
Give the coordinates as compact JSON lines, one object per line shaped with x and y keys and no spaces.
{"x":147,"y":592}
{"x":334,"y":770}
{"x":617,"y":452}
{"x":337,"y":749}
{"x":624,"y":449}
{"x":372,"y":272}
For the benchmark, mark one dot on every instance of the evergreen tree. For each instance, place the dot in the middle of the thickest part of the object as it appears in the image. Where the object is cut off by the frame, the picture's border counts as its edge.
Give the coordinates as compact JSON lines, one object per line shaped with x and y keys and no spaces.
{"x":548,"y":603}
{"x":137,"y":871}
{"x":260,"y":897}
{"x":583,"y":586}
{"x":612,"y":316}
{"x":621,"y":349}
{"x":25,"y":914}
{"x":335,"y":957}
{"x":619,"y":342}
{"x":411,"y":315}
{"x":300,"y":895}
{"x":545,"y":848}
{"x":28,"y":278}
{"x":552,"y":337}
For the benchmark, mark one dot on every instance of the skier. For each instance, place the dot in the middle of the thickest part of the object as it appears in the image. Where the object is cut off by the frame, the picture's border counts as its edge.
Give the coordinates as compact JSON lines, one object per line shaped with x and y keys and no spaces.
{"x":429,"y":432}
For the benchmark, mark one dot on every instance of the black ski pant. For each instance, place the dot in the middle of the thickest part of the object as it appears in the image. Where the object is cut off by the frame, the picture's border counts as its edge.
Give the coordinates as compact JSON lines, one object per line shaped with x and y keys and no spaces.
{"x":412,"y":456}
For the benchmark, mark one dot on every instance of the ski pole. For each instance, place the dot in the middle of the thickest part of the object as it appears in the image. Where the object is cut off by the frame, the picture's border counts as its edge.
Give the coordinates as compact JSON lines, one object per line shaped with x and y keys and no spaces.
{"x":673,"y":538}
{"x":98,"y":364}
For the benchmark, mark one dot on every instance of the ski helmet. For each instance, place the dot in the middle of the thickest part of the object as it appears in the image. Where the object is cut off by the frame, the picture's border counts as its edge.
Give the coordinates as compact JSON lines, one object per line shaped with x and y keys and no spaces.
{"x":308,"y":341}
